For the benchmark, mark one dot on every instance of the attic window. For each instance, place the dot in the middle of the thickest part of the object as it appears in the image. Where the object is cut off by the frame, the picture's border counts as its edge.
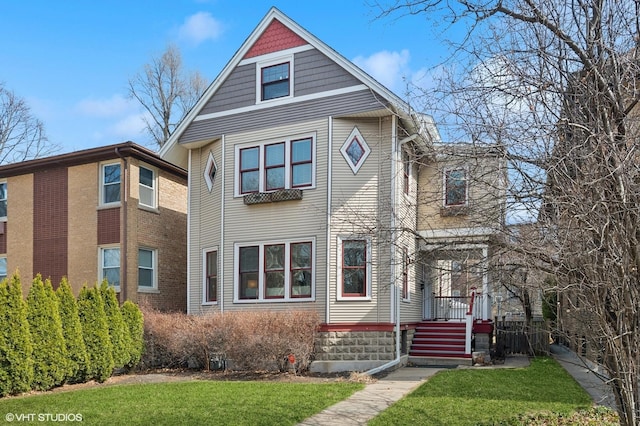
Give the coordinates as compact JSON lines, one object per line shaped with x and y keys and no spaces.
{"x":210,"y":171}
{"x":275,"y":81}
{"x":355,"y":150}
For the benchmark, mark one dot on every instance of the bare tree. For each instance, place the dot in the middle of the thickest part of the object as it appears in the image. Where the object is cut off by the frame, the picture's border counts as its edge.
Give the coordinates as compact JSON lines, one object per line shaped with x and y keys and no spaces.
{"x":166,"y":93}
{"x":22,"y":136}
{"x":556,"y":83}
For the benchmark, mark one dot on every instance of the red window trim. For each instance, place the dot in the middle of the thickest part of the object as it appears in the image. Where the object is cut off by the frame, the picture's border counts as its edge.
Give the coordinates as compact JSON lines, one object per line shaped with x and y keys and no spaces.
{"x":282,"y":166}
{"x":292,"y":270}
{"x":208,"y":297}
{"x":265,"y":271}
{"x":364,"y":267}
{"x":243,"y":171}
{"x":292,"y":163}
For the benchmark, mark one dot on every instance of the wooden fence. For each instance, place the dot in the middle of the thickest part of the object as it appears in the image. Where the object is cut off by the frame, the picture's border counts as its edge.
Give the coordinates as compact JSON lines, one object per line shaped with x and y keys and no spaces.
{"x":520,"y":337}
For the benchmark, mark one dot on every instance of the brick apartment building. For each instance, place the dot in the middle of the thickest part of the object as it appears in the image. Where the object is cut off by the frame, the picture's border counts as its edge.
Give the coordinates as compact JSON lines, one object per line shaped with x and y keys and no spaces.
{"x":117,"y":212}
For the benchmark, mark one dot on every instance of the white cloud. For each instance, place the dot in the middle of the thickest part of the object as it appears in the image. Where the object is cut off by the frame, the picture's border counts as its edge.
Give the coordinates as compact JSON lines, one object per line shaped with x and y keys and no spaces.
{"x":200,"y":27}
{"x":129,"y":127}
{"x":389,"y":68}
{"x":115,"y":106}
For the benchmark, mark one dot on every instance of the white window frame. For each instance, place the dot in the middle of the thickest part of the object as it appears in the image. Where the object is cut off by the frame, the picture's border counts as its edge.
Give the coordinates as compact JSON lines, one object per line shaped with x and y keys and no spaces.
{"x":444,"y":187}
{"x":154,"y":188}
{"x":355,"y":133}
{"x":287,"y":164}
{"x":5,"y":199}
{"x":210,"y":166}
{"x":287,"y":268}
{"x":368,"y":284}
{"x":206,"y":251}
{"x":3,"y":259}
{"x":101,"y":265}
{"x":269,"y":62}
{"x":102,"y":184}
{"x":154,"y":271}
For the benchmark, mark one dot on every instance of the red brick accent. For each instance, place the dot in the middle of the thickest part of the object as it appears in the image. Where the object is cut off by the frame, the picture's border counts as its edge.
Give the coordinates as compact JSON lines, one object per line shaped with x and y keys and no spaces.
{"x":3,"y":237}
{"x":50,"y":224}
{"x":275,"y":38}
{"x":109,"y":226}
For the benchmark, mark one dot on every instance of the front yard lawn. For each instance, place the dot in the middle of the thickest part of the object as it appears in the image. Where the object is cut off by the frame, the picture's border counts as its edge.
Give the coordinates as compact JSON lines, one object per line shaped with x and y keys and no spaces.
{"x":181,"y":403}
{"x":484,"y":396}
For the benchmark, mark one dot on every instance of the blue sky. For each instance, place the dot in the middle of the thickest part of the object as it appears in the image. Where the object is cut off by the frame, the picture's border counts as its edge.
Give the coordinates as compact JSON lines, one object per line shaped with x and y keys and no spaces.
{"x":71,"y":59}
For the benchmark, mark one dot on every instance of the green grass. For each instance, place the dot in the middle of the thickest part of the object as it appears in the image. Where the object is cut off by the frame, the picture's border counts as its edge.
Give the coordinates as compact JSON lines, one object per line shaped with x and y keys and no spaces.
{"x":483,"y":396}
{"x":186,"y":403}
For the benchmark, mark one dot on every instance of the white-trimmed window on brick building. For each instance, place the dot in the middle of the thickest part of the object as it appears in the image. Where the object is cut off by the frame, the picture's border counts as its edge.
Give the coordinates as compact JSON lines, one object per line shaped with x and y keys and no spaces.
{"x":211,"y":276}
{"x":110,"y":184}
{"x":110,"y":266}
{"x":274,"y":271}
{"x":3,"y":267}
{"x":288,"y":163}
{"x":3,"y":201}
{"x":148,"y":187}
{"x":354,"y":273}
{"x":147,"y":269}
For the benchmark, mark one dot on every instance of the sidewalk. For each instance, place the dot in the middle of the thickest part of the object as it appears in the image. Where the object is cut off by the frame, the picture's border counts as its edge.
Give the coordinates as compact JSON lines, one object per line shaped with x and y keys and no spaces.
{"x":378,"y":396}
{"x":587,"y":374}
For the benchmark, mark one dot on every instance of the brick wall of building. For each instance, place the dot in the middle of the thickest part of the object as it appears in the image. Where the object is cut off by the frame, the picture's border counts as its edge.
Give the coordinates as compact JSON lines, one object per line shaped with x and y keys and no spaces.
{"x":19,"y":227}
{"x":83,"y":221}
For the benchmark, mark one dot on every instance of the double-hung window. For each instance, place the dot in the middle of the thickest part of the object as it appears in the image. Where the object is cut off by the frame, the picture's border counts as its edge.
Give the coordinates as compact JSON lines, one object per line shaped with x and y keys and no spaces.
{"x":147,"y":187}
{"x":455,"y":187}
{"x":110,"y":183}
{"x":354,"y":273}
{"x":274,"y":271}
{"x":211,"y":279}
{"x":406,"y":171}
{"x":284,"y":164}
{"x":275,"y":81}
{"x":110,"y":265}
{"x":3,"y":200}
{"x":147,"y":269}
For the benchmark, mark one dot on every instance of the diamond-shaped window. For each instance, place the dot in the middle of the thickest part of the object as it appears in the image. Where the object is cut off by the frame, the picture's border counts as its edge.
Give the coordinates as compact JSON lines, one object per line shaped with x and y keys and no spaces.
{"x":355,"y":150}
{"x":210,"y":171}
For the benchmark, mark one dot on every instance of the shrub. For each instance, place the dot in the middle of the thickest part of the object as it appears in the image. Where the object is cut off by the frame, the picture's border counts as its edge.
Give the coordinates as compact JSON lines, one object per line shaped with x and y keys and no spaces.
{"x":49,"y":350}
{"x":252,"y":340}
{"x":16,"y":363}
{"x":118,"y":331}
{"x":134,"y":320}
{"x":95,"y":332}
{"x":72,"y":331}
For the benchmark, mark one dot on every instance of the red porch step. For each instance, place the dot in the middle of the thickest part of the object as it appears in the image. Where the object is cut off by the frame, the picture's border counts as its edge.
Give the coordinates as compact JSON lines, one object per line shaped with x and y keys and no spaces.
{"x":439,"y":339}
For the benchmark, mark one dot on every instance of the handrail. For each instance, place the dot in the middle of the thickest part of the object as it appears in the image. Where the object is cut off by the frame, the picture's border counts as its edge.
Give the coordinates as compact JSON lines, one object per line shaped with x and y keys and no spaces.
{"x":471,"y":302}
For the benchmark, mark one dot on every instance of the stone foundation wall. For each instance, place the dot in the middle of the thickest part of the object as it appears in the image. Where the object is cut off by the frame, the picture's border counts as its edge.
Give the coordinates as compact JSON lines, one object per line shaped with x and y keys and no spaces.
{"x":355,"y":346}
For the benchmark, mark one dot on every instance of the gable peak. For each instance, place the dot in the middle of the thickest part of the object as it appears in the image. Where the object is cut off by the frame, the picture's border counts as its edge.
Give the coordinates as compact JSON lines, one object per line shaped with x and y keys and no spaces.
{"x":274,"y":38}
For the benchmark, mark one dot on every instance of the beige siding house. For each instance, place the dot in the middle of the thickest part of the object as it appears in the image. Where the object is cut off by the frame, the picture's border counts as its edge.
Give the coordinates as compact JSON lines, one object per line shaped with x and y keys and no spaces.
{"x":303,"y":194}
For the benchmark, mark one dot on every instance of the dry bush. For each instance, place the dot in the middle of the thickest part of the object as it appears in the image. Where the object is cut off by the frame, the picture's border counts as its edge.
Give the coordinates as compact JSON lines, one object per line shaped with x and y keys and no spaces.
{"x":249,"y":340}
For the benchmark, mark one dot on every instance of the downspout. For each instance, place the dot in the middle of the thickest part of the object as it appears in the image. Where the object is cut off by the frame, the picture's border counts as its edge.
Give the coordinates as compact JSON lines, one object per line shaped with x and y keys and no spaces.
{"x":124,"y":228}
{"x":221,"y":246}
{"x":328,"y":238}
{"x":189,"y":187}
{"x":396,"y":293}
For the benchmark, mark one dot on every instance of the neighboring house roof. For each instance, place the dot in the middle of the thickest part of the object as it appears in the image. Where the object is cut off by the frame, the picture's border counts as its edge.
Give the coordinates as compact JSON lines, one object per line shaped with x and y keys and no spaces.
{"x":92,"y":155}
{"x":276,"y":32}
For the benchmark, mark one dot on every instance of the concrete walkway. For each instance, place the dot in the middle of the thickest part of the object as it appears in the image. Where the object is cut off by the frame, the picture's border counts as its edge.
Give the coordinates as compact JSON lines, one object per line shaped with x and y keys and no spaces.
{"x":378,"y":396}
{"x":587,"y":373}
